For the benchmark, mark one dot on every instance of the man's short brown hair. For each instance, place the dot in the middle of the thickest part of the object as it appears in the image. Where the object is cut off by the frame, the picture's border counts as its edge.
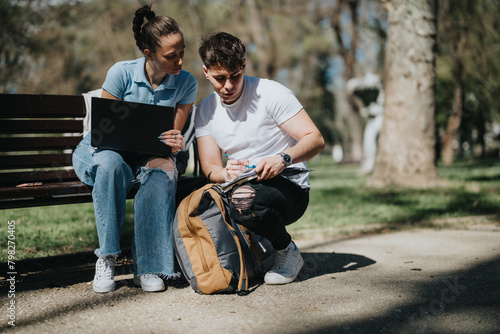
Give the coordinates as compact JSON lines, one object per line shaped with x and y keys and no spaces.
{"x":223,"y":50}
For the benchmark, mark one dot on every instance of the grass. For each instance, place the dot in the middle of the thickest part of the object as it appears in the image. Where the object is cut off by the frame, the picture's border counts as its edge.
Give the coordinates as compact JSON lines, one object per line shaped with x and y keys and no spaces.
{"x":55,"y":230}
{"x":339,"y":202}
{"x":340,"y":199}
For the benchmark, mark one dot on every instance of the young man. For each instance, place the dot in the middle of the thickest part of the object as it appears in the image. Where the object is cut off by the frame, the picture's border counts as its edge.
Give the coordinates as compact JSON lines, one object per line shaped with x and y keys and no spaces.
{"x":256,"y":122}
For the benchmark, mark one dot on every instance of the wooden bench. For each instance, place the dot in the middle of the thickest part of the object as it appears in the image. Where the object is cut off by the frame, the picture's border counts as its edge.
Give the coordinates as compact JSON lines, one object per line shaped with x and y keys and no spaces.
{"x":38,"y":134}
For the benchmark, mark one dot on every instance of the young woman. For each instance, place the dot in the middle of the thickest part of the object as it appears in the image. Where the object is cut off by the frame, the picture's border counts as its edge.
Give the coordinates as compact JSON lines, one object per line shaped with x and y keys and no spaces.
{"x":156,"y":78}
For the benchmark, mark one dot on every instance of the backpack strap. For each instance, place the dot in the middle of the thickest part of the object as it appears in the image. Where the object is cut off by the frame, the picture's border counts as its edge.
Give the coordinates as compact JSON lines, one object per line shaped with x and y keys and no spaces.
{"x":250,"y":243}
{"x":255,"y":252}
{"x":191,"y":212}
{"x":243,"y":269}
{"x":188,"y":213}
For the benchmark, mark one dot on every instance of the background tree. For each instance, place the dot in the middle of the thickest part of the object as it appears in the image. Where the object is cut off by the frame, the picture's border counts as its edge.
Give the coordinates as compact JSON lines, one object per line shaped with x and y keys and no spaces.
{"x":454,"y":20}
{"x":468,"y":73}
{"x":284,"y":42}
{"x":406,"y":144}
{"x":77,"y":42}
{"x":67,"y":46}
{"x":347,"y":41}
{"x":16,"y":21}
{"x":358,"y":43}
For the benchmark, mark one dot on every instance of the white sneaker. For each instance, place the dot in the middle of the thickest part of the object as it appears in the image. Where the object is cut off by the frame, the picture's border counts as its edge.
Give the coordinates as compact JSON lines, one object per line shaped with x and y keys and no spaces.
{"x":149,"y":282}
{"x":287,"y":265}
{"x":104,"y":278}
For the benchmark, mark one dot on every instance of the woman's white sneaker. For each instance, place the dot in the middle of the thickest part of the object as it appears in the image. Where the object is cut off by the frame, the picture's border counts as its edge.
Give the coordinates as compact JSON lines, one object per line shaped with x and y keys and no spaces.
{"x":286,"y":267}
{"x":150,"y":282}
{"x":104,"y":278}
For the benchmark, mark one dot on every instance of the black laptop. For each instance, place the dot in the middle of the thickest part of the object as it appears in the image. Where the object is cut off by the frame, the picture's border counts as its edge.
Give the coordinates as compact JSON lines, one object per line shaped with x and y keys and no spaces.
{"x":131,"y":127}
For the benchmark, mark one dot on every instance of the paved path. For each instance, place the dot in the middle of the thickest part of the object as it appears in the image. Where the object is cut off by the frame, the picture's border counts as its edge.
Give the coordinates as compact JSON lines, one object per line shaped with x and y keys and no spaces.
{"x":422,"y":281}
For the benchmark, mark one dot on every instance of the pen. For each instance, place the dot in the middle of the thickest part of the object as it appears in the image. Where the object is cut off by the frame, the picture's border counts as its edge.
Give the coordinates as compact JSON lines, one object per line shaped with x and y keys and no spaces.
{"x":247,"y":166}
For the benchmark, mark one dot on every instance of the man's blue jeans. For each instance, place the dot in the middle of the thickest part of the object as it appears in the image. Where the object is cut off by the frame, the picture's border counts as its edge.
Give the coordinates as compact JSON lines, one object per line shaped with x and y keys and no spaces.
{"x":112,"y":175}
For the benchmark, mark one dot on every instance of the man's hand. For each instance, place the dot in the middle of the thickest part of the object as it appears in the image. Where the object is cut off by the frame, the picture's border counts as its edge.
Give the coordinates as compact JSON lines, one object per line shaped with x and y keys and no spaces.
{"x":269,"y":167}
{"x":235,"y":168}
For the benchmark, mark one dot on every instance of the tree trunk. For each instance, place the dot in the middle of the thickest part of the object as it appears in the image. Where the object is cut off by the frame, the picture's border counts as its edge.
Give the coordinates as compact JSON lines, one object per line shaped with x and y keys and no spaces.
{"x":406,"y":144}
{"x":257,"y":36}
{"x":348,"y":53}
{"x":448,"y":154}
{"x":355,"y":122}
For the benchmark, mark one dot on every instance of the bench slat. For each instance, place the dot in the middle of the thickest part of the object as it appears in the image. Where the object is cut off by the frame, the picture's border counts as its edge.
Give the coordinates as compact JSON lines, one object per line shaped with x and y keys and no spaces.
{"x":77,"y":192}
{"x":27,"y":105}
{"x":35,"y":161}
{"x":16,"y":178}
{"x":14,"y":144}
{"x":45,"y":190}
{"x":45,"y":201}
{"x":40,"y":126}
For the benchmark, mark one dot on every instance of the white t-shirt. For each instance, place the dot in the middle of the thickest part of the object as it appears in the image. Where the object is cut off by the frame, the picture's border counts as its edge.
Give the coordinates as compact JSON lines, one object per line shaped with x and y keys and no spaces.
{"x":249,"y":128}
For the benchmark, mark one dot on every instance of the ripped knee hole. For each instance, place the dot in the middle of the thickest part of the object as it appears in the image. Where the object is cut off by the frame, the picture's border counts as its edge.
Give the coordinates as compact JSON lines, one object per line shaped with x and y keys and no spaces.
{"x":165,"y":164}
{"x":243,"y":197}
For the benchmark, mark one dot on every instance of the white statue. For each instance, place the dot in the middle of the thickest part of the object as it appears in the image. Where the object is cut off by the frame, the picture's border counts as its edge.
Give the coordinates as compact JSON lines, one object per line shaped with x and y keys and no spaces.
{"x":370,"y":92}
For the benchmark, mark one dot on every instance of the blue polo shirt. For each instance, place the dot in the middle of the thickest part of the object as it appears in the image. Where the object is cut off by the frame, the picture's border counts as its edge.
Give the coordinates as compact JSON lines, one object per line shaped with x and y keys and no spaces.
{"x":127,"y":81}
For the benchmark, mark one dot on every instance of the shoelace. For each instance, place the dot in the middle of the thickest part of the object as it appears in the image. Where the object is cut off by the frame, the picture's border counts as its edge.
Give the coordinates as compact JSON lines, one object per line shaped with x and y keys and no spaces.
{"x":106,"y":268}
{"x":148,"y":276}
{"x":280,"y":258}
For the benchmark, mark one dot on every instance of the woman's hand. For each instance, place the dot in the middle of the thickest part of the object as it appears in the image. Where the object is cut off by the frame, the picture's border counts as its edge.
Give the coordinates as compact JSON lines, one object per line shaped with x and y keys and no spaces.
{"x":235,"y":168}
{"x":173,"y":138}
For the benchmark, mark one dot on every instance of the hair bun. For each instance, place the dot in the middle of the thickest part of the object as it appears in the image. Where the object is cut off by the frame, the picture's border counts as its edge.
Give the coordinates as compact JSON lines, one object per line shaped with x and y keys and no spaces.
{"x":150,"y":15}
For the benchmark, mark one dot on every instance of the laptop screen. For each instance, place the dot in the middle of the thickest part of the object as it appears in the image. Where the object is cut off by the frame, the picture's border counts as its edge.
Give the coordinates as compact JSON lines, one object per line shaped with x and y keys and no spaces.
{"x":128,"y":126}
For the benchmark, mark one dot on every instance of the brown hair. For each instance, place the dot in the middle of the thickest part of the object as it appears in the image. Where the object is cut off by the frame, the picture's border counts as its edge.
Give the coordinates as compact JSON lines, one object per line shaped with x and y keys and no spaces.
{"x":148,"y":36}
{"x":224,"y":50}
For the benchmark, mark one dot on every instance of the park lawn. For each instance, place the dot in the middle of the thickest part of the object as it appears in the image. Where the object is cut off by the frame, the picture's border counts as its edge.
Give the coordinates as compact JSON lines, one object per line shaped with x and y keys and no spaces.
{"x":56,"y":230}
{"x":339,"y":202}
{"x":340,"y":199}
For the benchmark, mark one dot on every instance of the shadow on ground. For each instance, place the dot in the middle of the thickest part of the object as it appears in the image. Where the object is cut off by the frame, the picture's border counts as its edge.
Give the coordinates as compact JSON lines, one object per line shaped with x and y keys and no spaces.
{"x":465,"y":301}
{"x":65,"y":270}
{"x":58,"y":271}
{"x":319,"y":264}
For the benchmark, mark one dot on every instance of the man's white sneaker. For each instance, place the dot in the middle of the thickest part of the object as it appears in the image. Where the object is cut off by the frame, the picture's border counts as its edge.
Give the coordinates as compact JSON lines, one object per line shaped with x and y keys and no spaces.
{"x":287,"y":265}
{"x":149,"y":282}
{"x":104,"y":278}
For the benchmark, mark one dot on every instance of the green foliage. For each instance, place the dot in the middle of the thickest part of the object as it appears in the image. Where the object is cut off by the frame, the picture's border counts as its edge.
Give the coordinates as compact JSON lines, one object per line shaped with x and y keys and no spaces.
{"x":67,"y":46}
{"x":16,"y":21}
{"x":62,"y":47}
{"x":477,"y":22}
{"x":444,"y":99}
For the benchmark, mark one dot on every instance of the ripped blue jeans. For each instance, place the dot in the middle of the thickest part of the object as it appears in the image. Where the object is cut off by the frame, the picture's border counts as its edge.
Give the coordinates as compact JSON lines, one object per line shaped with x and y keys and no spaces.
{"x":112,"y":175}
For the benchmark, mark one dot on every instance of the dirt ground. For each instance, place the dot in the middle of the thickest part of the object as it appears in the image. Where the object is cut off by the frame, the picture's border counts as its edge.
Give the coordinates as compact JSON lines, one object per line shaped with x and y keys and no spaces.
{"x":440,"y":280}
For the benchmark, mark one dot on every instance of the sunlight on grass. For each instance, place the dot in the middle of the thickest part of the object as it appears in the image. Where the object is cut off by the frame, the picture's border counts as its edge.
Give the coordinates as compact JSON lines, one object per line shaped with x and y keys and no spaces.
{"x":54,"y":230}
{"x":339,"y":199}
